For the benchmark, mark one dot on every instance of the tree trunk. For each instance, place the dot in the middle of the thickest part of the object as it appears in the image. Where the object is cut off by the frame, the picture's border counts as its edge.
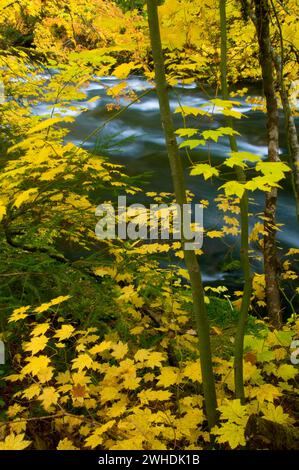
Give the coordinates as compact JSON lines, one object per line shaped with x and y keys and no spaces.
{"x":261,"y":434}
{"x":241,"y":177}
{"x":291,"y":131}
{"x":200,"y":314}
{"x":262,"y":21}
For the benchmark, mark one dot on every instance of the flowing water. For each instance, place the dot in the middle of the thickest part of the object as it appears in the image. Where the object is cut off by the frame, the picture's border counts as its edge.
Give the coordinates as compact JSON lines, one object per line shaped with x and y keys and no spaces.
{"x":135,"y":139}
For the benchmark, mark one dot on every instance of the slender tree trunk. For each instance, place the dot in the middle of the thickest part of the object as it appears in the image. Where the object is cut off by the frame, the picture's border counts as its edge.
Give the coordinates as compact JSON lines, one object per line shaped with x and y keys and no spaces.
{"x":291,"y":131}
{"x":262,"y":21}
{"x":200,"y":314}
{"x":241,"y":177}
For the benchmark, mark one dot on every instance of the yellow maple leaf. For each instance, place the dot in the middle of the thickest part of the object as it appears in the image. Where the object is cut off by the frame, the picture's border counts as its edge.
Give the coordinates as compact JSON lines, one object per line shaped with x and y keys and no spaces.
{"x":109,"y":394}
{"x":154,"y":359}
{"x":32,"y":391}
{"x":234,"y":412}
{"x":2,"y":211}
{"x":40,"y":329}
{"x":276,"y":414}
{"x":119,"y":350}
{"x":99,"y":348}
{"x":48,"y":397}
{"x":215,"y":234}
{"x":286,"y":372}
{"x":64,"y":332}
{"x":142,"y":355}
{"x":192,"y":371}
{"x":14,"y":442}
{"x":60,"y":299}
{"x":266,"y":392}
{"x":66,"y":444}
{"x":19,"y":314}
{"x":36,"y":344}
{"x":123,"y":70}
{"x":168,"y":377}
{"x":152,"y":395}
{"x":83,"y":361}
{"x":25,"y":196}
{"x":96,"y":438}
{"x":231,"y":433}
{"x":35,"y":364}
{"x":43,"y":307}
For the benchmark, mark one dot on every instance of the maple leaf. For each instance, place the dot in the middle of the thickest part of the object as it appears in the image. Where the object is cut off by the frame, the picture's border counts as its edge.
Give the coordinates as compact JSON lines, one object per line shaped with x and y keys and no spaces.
{"x":19,"y":314}
{"x":154,"y":359}
{"x":131,"y":382}
{"x":35,"y":364}
{"x":60,"y":299}
{"x":14,"y":410}
{"x":25,"y":196}
{"x":123,"y":70}
{"x":275,"y":171}
{"x":32,"y":391}
{"x":48,"y":123}
{"x":266,"y":392}
{"x":14,"y":442}
{"x":36,"y":344}
{"x":192,"y":143}
{"x":214,"y":234}
{"x":96,"y":438}
{"x":234,"y":412}
{"x":40,"y":329}
{"x":231,"y":433}
{"x":119,"y":350}
{"x":64,"y":332}
{"x":142,"y":355}
{"x":233,"y":188}
{"x":109,"y":394}
{"x":152,"y":395}
{"x":79,"y":391}
{"x":43,"y":307}
{"x":186,"y":132}
{"x":286,"y":372}
{"x":99,"y":348}
{"x":276,"y":414}
{"x":83,"y":361}
{"x":2,"y":211}
{"x":48,"y":397}
{"x":191,"y":110}
{"x":192,"y":371}
{"x":204,"y":169}
{"x":66,"y":444}
{"x":167,"y":377}
{"x":215,"y":134}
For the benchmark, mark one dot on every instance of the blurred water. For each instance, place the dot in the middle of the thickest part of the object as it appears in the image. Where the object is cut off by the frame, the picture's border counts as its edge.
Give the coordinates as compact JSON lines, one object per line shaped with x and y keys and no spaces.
{"x":146,"y":152}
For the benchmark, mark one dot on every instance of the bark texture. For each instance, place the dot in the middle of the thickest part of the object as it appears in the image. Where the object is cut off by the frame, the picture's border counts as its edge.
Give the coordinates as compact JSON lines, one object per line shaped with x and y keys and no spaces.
{"x":177,"y":173}
{"x":244,"y":252}
{"x":262,"y":22}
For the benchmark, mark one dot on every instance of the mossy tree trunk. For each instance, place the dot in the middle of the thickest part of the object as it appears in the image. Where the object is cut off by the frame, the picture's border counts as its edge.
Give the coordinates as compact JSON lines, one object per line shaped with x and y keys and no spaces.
{"x":244,"y":221}
{"x":177,"y":173}
{"x":262,"y":22}
{"x":290,"y":127}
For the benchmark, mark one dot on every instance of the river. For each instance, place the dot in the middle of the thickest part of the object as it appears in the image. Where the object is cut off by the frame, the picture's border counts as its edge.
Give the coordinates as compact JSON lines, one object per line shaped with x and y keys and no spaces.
{"x":135,"y":140}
